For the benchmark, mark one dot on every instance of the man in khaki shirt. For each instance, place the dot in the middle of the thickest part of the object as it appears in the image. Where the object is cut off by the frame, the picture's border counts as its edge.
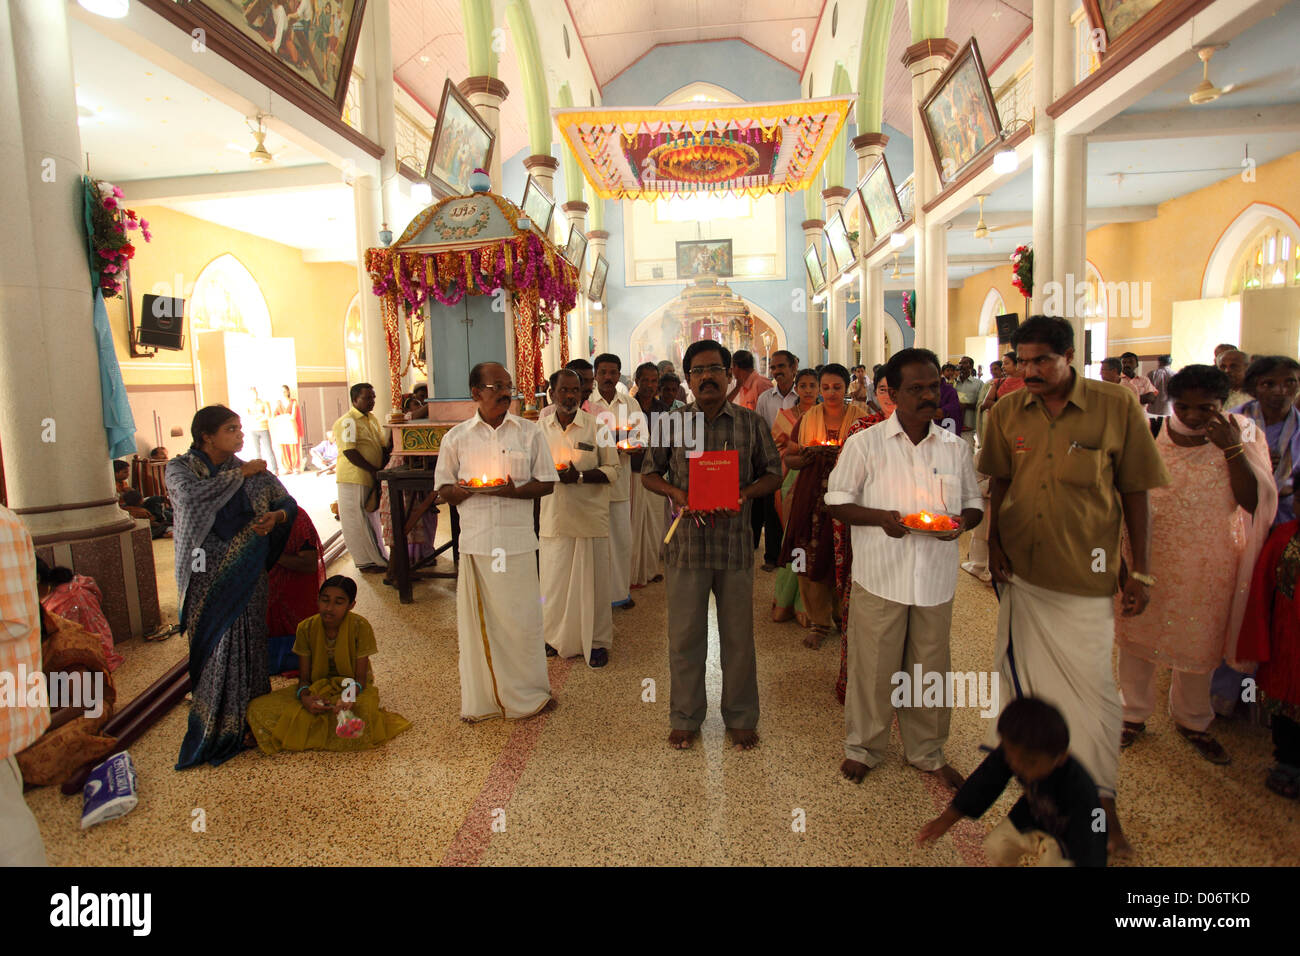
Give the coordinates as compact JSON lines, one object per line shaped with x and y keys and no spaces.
{"x":361,"y":443}
{"x":1068,"y":458}
{"x":575,"y":561}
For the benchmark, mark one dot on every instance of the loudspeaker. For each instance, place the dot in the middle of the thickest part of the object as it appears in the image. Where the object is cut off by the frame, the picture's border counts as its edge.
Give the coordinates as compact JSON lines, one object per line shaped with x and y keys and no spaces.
{"x":1087,"y":347}
{"x":162,"y":322}
{"x":1006,"y":325}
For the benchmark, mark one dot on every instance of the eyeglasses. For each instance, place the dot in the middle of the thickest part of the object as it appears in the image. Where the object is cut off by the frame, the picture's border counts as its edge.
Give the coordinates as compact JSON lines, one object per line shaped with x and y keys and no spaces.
{"x":708,"y":369}
{"x":508,"y":387}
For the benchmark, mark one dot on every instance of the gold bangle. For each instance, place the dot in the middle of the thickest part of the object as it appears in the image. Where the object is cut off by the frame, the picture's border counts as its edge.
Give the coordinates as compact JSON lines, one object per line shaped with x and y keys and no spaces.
{"x":1239,"y":452}
{"x":1144,"y":579}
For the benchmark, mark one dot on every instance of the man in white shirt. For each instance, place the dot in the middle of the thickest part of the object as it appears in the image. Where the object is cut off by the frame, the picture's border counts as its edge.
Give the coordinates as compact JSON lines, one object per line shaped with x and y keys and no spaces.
{"x":903,"y":583}
{"x":576,"y":615}
{"x":498,"y":598}
{"x":619,"y":413}
{"x":968,"y":386}
{"x":784,"y":367}
{"x":588,"y":378}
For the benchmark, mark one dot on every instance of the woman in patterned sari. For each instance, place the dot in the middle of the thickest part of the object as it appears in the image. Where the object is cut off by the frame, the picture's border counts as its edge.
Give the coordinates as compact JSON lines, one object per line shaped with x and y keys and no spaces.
{"x":786,"y":603}
{"x":809,"y":539}
{"x":231,"y":523}
{"x":843,"y":543}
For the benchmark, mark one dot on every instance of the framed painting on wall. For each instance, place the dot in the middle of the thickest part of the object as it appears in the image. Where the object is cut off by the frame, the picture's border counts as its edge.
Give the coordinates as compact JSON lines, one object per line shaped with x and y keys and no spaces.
{"x":575,"y":250}
{"x":303,"y":51}
{"x":816,"y":274}
{"x":703,"y":257}
{"x":538,"y":206}
{"x":837,"y":240}
{"x":1125,"y":22}
{"x":959,"y":114}
{"x":879,"y":200}
{"x":461,"y":144}
{"x":599,"y":272}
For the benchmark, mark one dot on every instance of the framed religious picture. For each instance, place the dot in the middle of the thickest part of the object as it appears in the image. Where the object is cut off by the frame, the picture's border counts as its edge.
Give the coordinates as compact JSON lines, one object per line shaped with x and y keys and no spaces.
{"x":816,"y":274}
{"x":1119,"y":23}
{"x":537,"y":206}
{"x":959,"y":115}
{"x":837,"y":240}
{"x":700,"y":257}
{"x":300,"y":50}
{"x":461,"y":144}
{"x":599,"y":272}
{"x":575,"y":250}
{"x":879,"y":200}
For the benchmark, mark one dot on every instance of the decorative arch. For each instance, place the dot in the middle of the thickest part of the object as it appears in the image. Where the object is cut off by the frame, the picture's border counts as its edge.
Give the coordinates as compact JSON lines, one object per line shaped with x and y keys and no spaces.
{"x":701,"y":92}
{"x":226,"y":298}
{"x":894,"y":337}
{"x":993,"y":307}
{"x":354,"y":356}
{"x":643,"y":328}
{"x":1216,"y":280}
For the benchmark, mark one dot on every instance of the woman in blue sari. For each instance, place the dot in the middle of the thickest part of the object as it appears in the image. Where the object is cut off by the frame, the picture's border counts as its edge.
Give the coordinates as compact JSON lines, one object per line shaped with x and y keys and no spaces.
{"x":231,"y":520}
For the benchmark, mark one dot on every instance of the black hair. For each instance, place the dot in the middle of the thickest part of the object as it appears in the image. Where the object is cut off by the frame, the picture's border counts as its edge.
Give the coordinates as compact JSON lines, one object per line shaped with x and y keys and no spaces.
{"x":834,"y":368}
{"x":411,"y":401}
{"x":705,"y":345}
{"x":1124,"y":355}
{"x":53,"y":576}
{"x":343,"y":583}
{"x":1056,"y":334}
{"x":666,"y":378}
{"x":643,"y":368}
{"x":582,"y":365}
{"x":476,"y":374}
{"x":1164,"y":359}
{"x":668,"y":362}
{"x":608,"y":357}
{"x":743,"y":359}
{"x":810,"y":372}
{"x":357,"y":389}
{"x":876,"y":370}
{"x":555,"y":376}
{"x":790,"y":357}
{"x":120,"y":465}
{"x":420,"y":386}
{"x":1205,"y":378}
{"x":1034,"y":725}
{"x":1113,"y":364}
{"x":948,"y":365}
{"x":893,"y":370}
{"x":132,"y":498}
{"x":154,"y":451}
{"x":208,"y":421}
{"x":1265,"y":365}
{"x":966,"y":358}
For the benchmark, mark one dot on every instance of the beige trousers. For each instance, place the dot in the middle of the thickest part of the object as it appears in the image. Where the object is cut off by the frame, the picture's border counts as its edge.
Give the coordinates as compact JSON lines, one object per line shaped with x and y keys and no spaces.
{"x":20,"y":838}
{"x":884,"y":639}
{"x":1189,"y":694}
{"x":1005,"y":845}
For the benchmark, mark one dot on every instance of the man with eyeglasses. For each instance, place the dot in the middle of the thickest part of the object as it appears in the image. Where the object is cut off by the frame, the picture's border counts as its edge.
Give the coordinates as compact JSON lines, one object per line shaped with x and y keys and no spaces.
{"x":498,"y":596}
{"x":712,"y":554}
{"x":1071,"y":462}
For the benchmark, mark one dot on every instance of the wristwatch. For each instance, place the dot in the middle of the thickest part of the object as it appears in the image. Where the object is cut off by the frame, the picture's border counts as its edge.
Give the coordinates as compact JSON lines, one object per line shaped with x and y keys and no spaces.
{"x":1141,"y":578}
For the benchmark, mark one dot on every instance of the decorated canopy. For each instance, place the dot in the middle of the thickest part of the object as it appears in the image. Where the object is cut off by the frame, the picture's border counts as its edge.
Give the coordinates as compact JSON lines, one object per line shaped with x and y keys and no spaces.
{"x":751,"y":148}
{"x":474,"y":245}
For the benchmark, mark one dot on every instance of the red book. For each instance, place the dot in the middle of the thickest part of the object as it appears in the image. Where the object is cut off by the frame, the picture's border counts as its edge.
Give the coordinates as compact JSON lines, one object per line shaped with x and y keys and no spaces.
{"x":714,"y":481}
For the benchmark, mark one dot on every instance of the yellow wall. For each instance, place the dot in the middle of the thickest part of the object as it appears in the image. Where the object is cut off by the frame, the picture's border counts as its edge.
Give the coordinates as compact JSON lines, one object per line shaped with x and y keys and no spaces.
{"x":307,"y":301}
{"x":1170,"y":251}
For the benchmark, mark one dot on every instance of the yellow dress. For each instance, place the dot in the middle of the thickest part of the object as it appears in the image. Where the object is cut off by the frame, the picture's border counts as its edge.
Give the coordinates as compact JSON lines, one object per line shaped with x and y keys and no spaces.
{"x":279,"y":720}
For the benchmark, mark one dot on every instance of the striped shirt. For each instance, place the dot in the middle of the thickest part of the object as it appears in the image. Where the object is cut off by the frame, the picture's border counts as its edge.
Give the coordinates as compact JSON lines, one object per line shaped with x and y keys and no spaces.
{"x":881,"y":468}
{"x":20,"y":637}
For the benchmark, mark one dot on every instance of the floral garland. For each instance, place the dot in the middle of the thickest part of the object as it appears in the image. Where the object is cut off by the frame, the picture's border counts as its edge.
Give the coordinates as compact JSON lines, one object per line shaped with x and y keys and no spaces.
{"x":110,"y":225}
{"x":1022,"y":270}
{"x":909,"y":307}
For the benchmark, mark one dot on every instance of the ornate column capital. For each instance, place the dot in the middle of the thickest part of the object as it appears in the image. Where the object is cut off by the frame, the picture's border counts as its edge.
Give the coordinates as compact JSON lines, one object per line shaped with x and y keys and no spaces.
{"x":940,"y":47}
{"x":867,"y":140}
{"x":812,"y":225}
{"x":483,"y":84}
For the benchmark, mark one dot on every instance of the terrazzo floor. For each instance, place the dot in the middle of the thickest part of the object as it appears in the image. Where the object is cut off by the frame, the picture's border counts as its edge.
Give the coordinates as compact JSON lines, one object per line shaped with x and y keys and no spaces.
{"x":595,"y":783}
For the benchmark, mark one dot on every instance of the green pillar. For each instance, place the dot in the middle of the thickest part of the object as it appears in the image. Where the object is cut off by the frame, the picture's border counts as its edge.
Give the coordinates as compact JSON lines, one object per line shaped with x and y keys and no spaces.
{"x":479,"y":24}
{"x":573,"y":178}
{"x":537,"y":106}
{"x":871,"y":65}
{"x":833,"y":169}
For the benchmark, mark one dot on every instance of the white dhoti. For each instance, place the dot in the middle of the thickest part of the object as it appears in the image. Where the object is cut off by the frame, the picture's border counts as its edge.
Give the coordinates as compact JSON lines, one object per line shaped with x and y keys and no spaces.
{"x":576,"y":615}
{"x":620,"y":551}
{"x":358,"y":526}
{"x":499,"y":623}
{"x":647,"y":534}
{"x":1057,"y":647}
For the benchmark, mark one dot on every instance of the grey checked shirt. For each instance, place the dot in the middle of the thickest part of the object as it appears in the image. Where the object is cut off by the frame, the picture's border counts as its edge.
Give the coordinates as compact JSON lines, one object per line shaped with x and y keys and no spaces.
{"x":727,"y":545}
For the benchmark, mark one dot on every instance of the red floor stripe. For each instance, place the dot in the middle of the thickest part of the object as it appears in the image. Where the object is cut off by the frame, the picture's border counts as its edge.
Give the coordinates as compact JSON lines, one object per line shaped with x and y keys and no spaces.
{"x":471,"y":841}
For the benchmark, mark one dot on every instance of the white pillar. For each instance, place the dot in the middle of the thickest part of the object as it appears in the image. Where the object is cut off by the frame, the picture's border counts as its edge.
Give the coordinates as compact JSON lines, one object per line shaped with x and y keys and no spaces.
{"x":838,"y":339}
{"x":926,"y":60}
{"x":1069,"y":235}
{"x":869,"y":148}
{"x":812,"y":236}
{"x":486,"y":94}
{"x":1044,"y":148}
{"x":936,"y":289}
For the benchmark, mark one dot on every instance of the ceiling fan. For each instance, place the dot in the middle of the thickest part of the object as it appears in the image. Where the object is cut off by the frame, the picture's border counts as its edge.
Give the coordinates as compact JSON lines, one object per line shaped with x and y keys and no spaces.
{"x":259,"y":153}
{"x":984,"y":231}
{"x":1207,"y":92}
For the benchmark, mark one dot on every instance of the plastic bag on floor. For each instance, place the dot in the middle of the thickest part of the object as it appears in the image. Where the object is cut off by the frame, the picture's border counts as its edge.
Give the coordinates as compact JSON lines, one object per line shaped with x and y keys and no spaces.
{"x":110,"y":791}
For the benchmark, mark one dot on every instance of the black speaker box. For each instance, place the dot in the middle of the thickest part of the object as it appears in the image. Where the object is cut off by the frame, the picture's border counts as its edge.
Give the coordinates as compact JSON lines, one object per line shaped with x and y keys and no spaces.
{"x":1006,"y":325}
{"x":162,"y":322}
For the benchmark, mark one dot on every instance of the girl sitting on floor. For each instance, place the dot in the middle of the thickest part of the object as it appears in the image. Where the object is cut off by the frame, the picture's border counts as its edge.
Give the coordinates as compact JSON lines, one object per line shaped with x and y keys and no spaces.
{"x":333,"y":646}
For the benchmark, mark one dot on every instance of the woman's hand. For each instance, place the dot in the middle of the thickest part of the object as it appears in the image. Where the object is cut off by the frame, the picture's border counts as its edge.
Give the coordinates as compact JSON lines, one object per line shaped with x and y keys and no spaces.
{"x":1224,"y":432}
{"x":315,"y":705}
{"x":263,"y":524}
{"x":250,"y":468}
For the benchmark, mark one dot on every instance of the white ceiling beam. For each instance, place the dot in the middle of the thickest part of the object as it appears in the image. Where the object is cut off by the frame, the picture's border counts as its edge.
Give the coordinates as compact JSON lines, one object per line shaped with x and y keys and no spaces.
{"x":224,"y":185}
{"x":1190,"y":123}
{"x":1014,"y":219}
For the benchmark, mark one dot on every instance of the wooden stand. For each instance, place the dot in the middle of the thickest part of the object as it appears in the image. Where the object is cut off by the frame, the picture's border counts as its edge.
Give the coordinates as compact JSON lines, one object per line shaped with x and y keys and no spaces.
{"x":401,"y":480}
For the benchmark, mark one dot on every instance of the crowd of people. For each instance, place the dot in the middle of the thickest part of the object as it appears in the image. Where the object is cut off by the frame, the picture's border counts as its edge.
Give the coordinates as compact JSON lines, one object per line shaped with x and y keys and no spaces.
{"x":1147,"y":513}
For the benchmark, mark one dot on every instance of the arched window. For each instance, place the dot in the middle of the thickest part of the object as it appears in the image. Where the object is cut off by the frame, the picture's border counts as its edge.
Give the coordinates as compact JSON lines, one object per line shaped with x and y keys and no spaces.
{"x":354,"y":354}
{"x":989,"y":312}
{"x":227,"y":298}
{"x":1268,"y":259}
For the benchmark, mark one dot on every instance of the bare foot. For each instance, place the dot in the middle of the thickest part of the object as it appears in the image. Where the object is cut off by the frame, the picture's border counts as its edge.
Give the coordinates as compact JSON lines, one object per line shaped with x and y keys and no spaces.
{"x":803,"y":619}
{"x":814,"y":639}
{"x":1117,"y":845}
{"x":854,"y":771}
{"x":743,"y":739}
{"x":949,"y":777}
{"x":782,"y":614}
{"x":682,"y":739}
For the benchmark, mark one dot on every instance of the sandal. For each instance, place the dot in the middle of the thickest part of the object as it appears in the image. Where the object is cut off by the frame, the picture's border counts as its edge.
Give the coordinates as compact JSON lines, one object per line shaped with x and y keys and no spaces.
{"x":1205,"y":745}
{"x":1130,"y":733}
{"x":1284,"y":780}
